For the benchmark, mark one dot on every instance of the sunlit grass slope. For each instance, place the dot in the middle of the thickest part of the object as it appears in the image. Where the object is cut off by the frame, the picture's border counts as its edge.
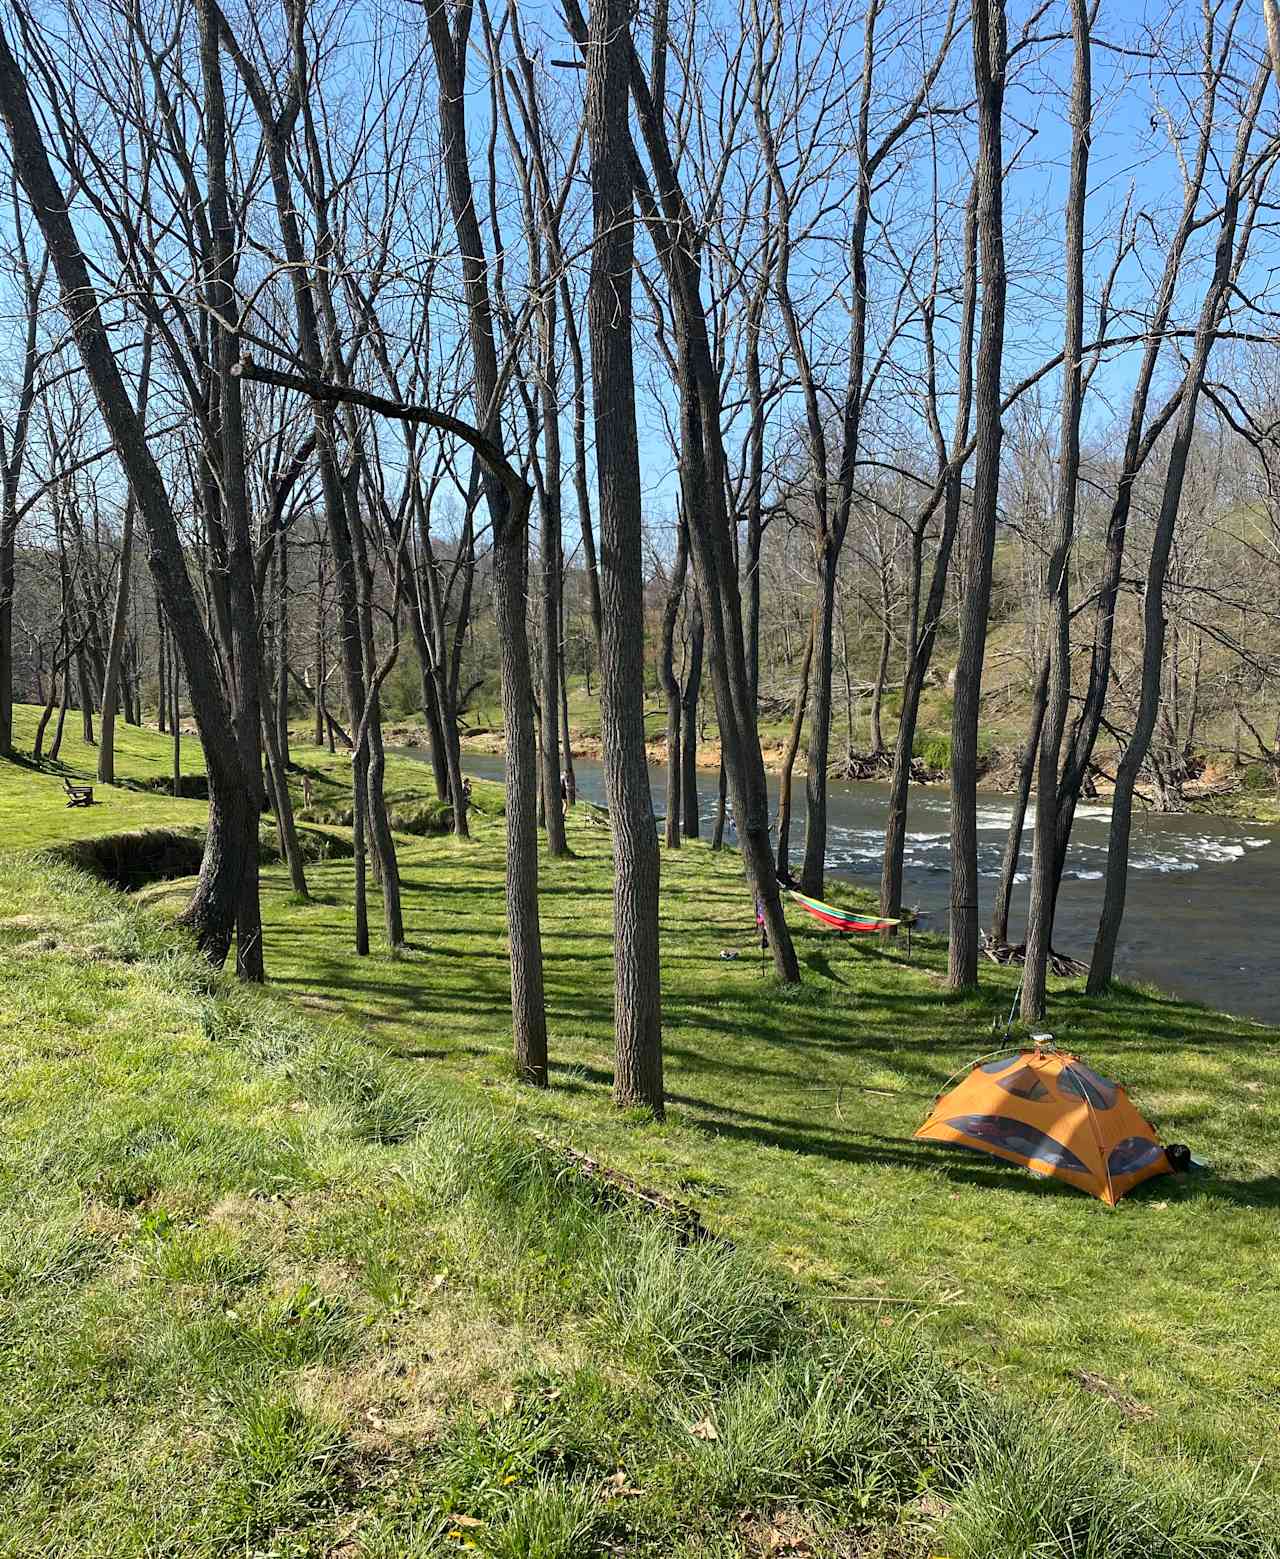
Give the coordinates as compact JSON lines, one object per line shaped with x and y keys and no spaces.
{"x":33,"y":804}
{"x":1129,"y":1358}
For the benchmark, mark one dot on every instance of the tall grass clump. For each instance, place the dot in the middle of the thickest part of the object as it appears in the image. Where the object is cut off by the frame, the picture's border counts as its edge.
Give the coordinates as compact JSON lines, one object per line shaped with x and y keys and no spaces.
{"x":1057,"y":1486}
{"x":688,"y":1313}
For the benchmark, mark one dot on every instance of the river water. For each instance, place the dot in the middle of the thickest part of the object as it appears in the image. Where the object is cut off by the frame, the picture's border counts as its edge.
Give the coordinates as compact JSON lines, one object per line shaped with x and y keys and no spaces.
{"x":1202,"y":914}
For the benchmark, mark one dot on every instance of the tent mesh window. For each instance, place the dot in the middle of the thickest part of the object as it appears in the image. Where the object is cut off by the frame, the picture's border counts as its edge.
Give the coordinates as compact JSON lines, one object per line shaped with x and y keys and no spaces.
{"x":1132,"y":1154}
{"x":999,"y":1131}
{"x":1025,"y":1084}
{"x":1081,"y":1082}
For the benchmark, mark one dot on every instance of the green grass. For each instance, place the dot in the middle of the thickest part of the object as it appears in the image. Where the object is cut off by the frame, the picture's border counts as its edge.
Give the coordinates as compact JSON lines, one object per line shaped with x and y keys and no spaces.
{"x":791,"y":1117}
{"x":33,"y":804}
{"x":327,"y":1267}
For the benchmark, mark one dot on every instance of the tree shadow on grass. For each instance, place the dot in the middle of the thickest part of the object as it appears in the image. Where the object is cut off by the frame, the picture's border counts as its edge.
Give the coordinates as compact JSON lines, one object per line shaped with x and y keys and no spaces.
{"x":967,"y":1166}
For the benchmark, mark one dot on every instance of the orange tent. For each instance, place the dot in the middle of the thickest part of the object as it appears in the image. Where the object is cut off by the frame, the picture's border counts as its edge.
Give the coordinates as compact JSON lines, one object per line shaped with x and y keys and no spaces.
{"x":1048,"y":1110}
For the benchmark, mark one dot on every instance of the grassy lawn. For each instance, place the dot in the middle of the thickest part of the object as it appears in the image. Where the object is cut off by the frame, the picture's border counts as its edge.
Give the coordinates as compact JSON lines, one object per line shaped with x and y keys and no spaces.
{"x":217,"y":1176}
{"x":33,"y":804}
{"x":791,"y":1117}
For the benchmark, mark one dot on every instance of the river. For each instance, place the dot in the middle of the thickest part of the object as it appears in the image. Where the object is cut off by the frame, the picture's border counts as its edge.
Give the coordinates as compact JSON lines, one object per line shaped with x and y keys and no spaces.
{"x":1202,"y":914}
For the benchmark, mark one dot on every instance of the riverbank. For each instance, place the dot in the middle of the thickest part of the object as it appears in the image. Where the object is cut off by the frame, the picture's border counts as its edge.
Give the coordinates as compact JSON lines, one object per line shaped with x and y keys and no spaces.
{"x":1219,"y":792}
{"x":789,"y":1132}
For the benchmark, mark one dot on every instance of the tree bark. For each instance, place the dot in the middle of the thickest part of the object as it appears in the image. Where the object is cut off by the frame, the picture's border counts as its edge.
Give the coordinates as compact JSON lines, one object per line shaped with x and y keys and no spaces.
{"x":691,"y":822}
{"x":242,"y":647}
{"x":882,"y":666}
{"x":282,"y":646}
{"x":789,"y":755}
{"x":115,"y":653}
{"x":722,"y":798}
{"x":276,"y":130}
{"x":570,"y":778}
{"x":818,"y":758}
{"x":671,"y":685}
{"x":14,"y":456}
{"x":637,"y":996}
{"x":508,"y":504}
{"x":282,"y":802}
{"x":1018,"y":809}
{"x":924,"y":631}
{"x":1057,"y":581}
{"x":990,"y":50}
{"x":711,"y":542}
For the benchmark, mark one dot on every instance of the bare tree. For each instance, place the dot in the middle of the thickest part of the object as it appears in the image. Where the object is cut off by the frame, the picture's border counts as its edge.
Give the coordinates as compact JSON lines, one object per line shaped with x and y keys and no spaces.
{"x":704,"y":497}
{"x":990,"y":63}
{"x":1245,"y":186}
{"x":637,"y":998}
{"x":1040,"y":915}
{"x":509,"y":515}
{"x":13,"y":451}
{"x":233,"y":817}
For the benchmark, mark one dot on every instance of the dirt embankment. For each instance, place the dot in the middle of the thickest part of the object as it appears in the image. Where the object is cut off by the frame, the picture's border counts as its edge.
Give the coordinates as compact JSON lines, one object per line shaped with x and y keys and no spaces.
{"x":491,"y":742}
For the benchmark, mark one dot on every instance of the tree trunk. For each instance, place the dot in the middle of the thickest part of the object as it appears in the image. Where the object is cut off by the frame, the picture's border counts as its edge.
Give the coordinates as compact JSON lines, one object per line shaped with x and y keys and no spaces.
{"x":691,"y":823}
{"x":242,"y":646}
{"x":1058,"y":682}
{"x":321,"y":670}
{"x":46,"y":714}
{"x":924,"y":634}
{"x":813,"y":871}
{"x":162,"y":672}
{"x":990,"y":57}
{"x":509,"y":514}
{"x":1018,"y":814}
{"x":115,"y":652}
{"x":430,"y":698}
{"x":525,"y":941}
{"x":722,"y":801}
{"x":282,"y":802}
{"x":84,"y":694}
{"x":8,"y":581}
{"x":175,"y":723}
{"x":570,"y":778}
{"x":282,"y":647}
{"x":56,"y":747}
{"x":711,"y":541}
{"x":581,"y":485}
{"x":637,"y":997}
{"x":1138,"y":447}
{"x":1102,"y":965}
{"x":789,"y":756}
{"x":671,"y":685}
{"x":882,"y":673}
{"x":379,"y":826}
{"x":359,"y":803}
{"x":552,"y":800}
{"x":341,"y":541}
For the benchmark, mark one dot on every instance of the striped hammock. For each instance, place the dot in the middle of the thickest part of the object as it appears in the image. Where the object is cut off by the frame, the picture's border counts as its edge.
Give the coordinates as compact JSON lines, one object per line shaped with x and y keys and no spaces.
{"x":845,"y":920}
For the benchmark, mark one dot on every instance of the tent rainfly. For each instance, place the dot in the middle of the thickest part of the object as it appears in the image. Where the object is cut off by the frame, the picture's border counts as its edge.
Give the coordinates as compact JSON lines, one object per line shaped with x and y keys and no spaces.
{"x":1048,"y":1110}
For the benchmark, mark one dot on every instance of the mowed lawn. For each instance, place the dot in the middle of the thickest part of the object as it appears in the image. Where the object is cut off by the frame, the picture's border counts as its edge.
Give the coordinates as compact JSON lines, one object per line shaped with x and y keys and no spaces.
{"x":33,"y":804}
{"x":791,"y":1113}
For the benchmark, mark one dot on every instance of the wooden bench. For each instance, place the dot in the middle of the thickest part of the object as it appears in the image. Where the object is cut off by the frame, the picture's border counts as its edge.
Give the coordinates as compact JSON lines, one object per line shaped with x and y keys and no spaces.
{"x":78,"y":795}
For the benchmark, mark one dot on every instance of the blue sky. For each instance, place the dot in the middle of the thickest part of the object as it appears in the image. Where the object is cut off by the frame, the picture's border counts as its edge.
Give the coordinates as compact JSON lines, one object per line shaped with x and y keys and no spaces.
{"x":1131,"y":158}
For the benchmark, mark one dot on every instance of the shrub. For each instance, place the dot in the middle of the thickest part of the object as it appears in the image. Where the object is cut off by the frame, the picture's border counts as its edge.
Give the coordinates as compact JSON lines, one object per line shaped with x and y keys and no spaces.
{"x":1258,"y":777}
{"x":432,"y":815}
{"x":933,"y":748}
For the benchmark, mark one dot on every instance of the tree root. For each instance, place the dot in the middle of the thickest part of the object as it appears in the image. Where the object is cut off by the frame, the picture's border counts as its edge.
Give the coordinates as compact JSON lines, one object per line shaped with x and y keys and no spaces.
{"x":1065,"y":967}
